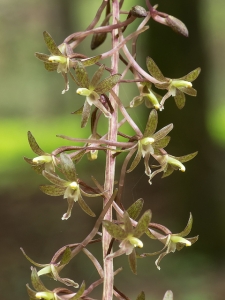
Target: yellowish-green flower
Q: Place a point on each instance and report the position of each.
(70, 188)
(169, 163)
(177, 88)
(92, 90)
(129, 236)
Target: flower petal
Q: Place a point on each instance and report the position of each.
(179, 99)
(135, 209)
(154, 70)
(107, 84)
(192, 75)
(36, 281)
(68, 167)
(114, 230)
(52, 190)
(133, 261)
(55, 179)
(81, 75)
(34, 145)
(151, 124)
(50, 43)
(142, 224)
(96, 77)
(85, 207)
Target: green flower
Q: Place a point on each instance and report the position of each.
(128, 236)
(151, 142)
(61, 59)
(168, 296)
(41, 292)
(169, 163)
(93, 90)
(70, 188)
(173, 242)
(44, 161)
(151, 98)
(177, 88)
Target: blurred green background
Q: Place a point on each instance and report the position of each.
(31, 99)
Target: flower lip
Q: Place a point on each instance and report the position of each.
(45, 295)
(42, 159)
(84, 92)
(181, 83)
(135, 241)
(176, 162)
(73, 185)
(178, 239)
(147, 141)
(58, 59)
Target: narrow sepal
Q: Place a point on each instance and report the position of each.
(154, 70)
(85, 207)
(52, 190)
(128, 228)
(142, 224)
(168, 172)
(107, 84)
(34, 145)
(114, 230)
(68, 167)
(188, 227)
(189, 91)
(42, 56)
(55, 179)
(133, 261)
(151, 124)
(80, 292)
(85, 114)
(31, 293)
(36, 281)
(136, 160)
(192, 75)
(91, 60)
(163, 132)
(81, 75)
(135, 209)
(162, 143)
(96, 77)
(50, 66)
(50, 43)
(186, 158)
(66, 256)
(179, 99)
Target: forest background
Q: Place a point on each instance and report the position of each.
(31, 100)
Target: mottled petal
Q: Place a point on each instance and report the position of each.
(179, 99)
(136, 159)
(154, 70)
(192, 75)
(52, 190)
(133, 261)
(96, 77)
(189, 91)
(107, 84)
(42, 56)
(81, 75)
(66, 256)
(91, 60)
(36, 281)
(186, 158)
(50, 43)
(169, 171)
(162, 132)
(68, 167)
(188, 227)
(34, 145)
(114, 230)
(128, 228)
(49, 66)
(55, 179)
(142, 224)
(85, 207)
(162, 143)
(135, 209)
(85, 114)
(151, 124)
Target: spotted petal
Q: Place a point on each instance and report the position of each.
(107, 84)
(151, 124)
(154, 70)
(50, 43)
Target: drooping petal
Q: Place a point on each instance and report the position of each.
(55, 179)
(179, 99)
(85, 207)
(85, 114)
(137, 158)
(52, 190)
(70, 201)
(169, 171)
(188, 227)
(133, 261)
(154, 70)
